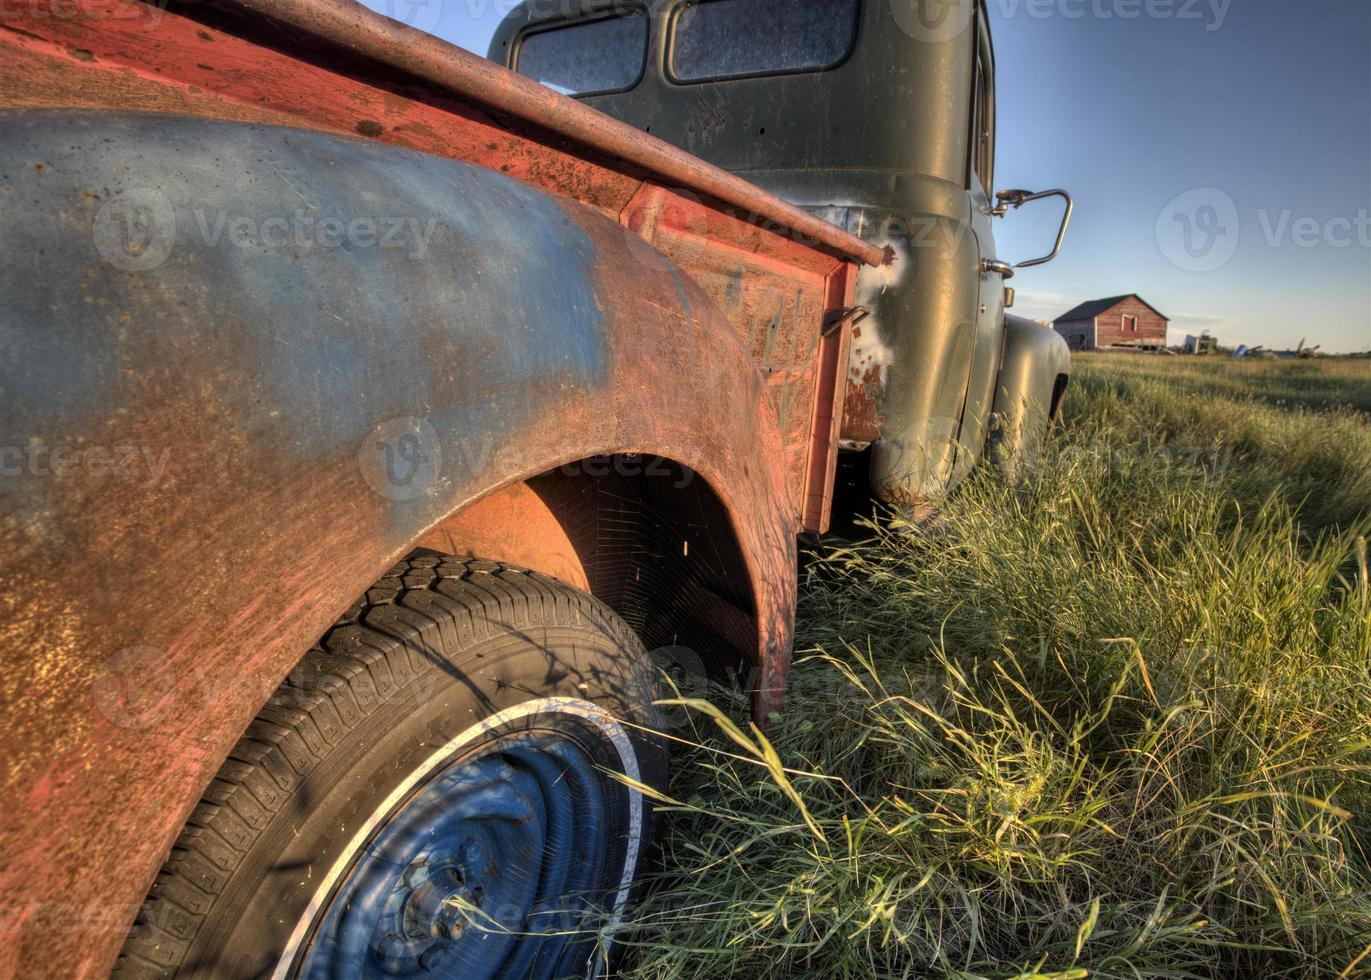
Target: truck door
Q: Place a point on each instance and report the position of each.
(989, 313)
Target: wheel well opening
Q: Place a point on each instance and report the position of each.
(1058, 393)
(645, 535)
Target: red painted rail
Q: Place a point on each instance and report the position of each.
(354, 27)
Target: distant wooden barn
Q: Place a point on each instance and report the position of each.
(1117, 323)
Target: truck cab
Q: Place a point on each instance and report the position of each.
(880, 117)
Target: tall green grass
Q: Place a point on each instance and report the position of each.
(1115, 723)
(1297, 428)
(1319, 384)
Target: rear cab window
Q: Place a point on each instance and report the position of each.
(589, 57)
(722, 39)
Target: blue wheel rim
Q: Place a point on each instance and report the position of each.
(498, 867)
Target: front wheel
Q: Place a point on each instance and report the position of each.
(431, 793)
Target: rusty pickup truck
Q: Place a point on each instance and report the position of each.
(371, 409)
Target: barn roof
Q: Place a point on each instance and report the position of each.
(1093, 308)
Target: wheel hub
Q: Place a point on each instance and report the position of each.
(489, 872)
(439, 907)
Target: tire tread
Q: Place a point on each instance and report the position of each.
(380, 645)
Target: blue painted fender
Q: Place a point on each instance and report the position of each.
(242, 370)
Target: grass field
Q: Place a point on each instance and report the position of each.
(1115, 723)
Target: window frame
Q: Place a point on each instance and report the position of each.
(669, 50)
(982, 111)
(548, 27)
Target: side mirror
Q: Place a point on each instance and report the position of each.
(1017, 199)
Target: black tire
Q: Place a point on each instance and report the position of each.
(437, 648)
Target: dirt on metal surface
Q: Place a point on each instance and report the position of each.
(766, 263)
(148, 619)
(155, 615)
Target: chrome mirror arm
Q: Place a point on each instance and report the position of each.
(1003, 269)
(1016, 199)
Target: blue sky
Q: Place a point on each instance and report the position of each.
(1219, 152)
(1267, 103)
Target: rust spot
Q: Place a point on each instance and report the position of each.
(862, 421)
(370, 127)
(204, 35)
(81, 54)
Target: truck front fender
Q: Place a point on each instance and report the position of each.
(1028, 394)
(243, 369)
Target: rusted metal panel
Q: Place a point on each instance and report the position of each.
(778, 293)
(263, 384)
(255, 380)
(829, 396)
(112, 54)
(145, 43)
(359, 30)
(765, 262)
(862, 419)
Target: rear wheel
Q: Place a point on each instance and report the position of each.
(431, 793)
